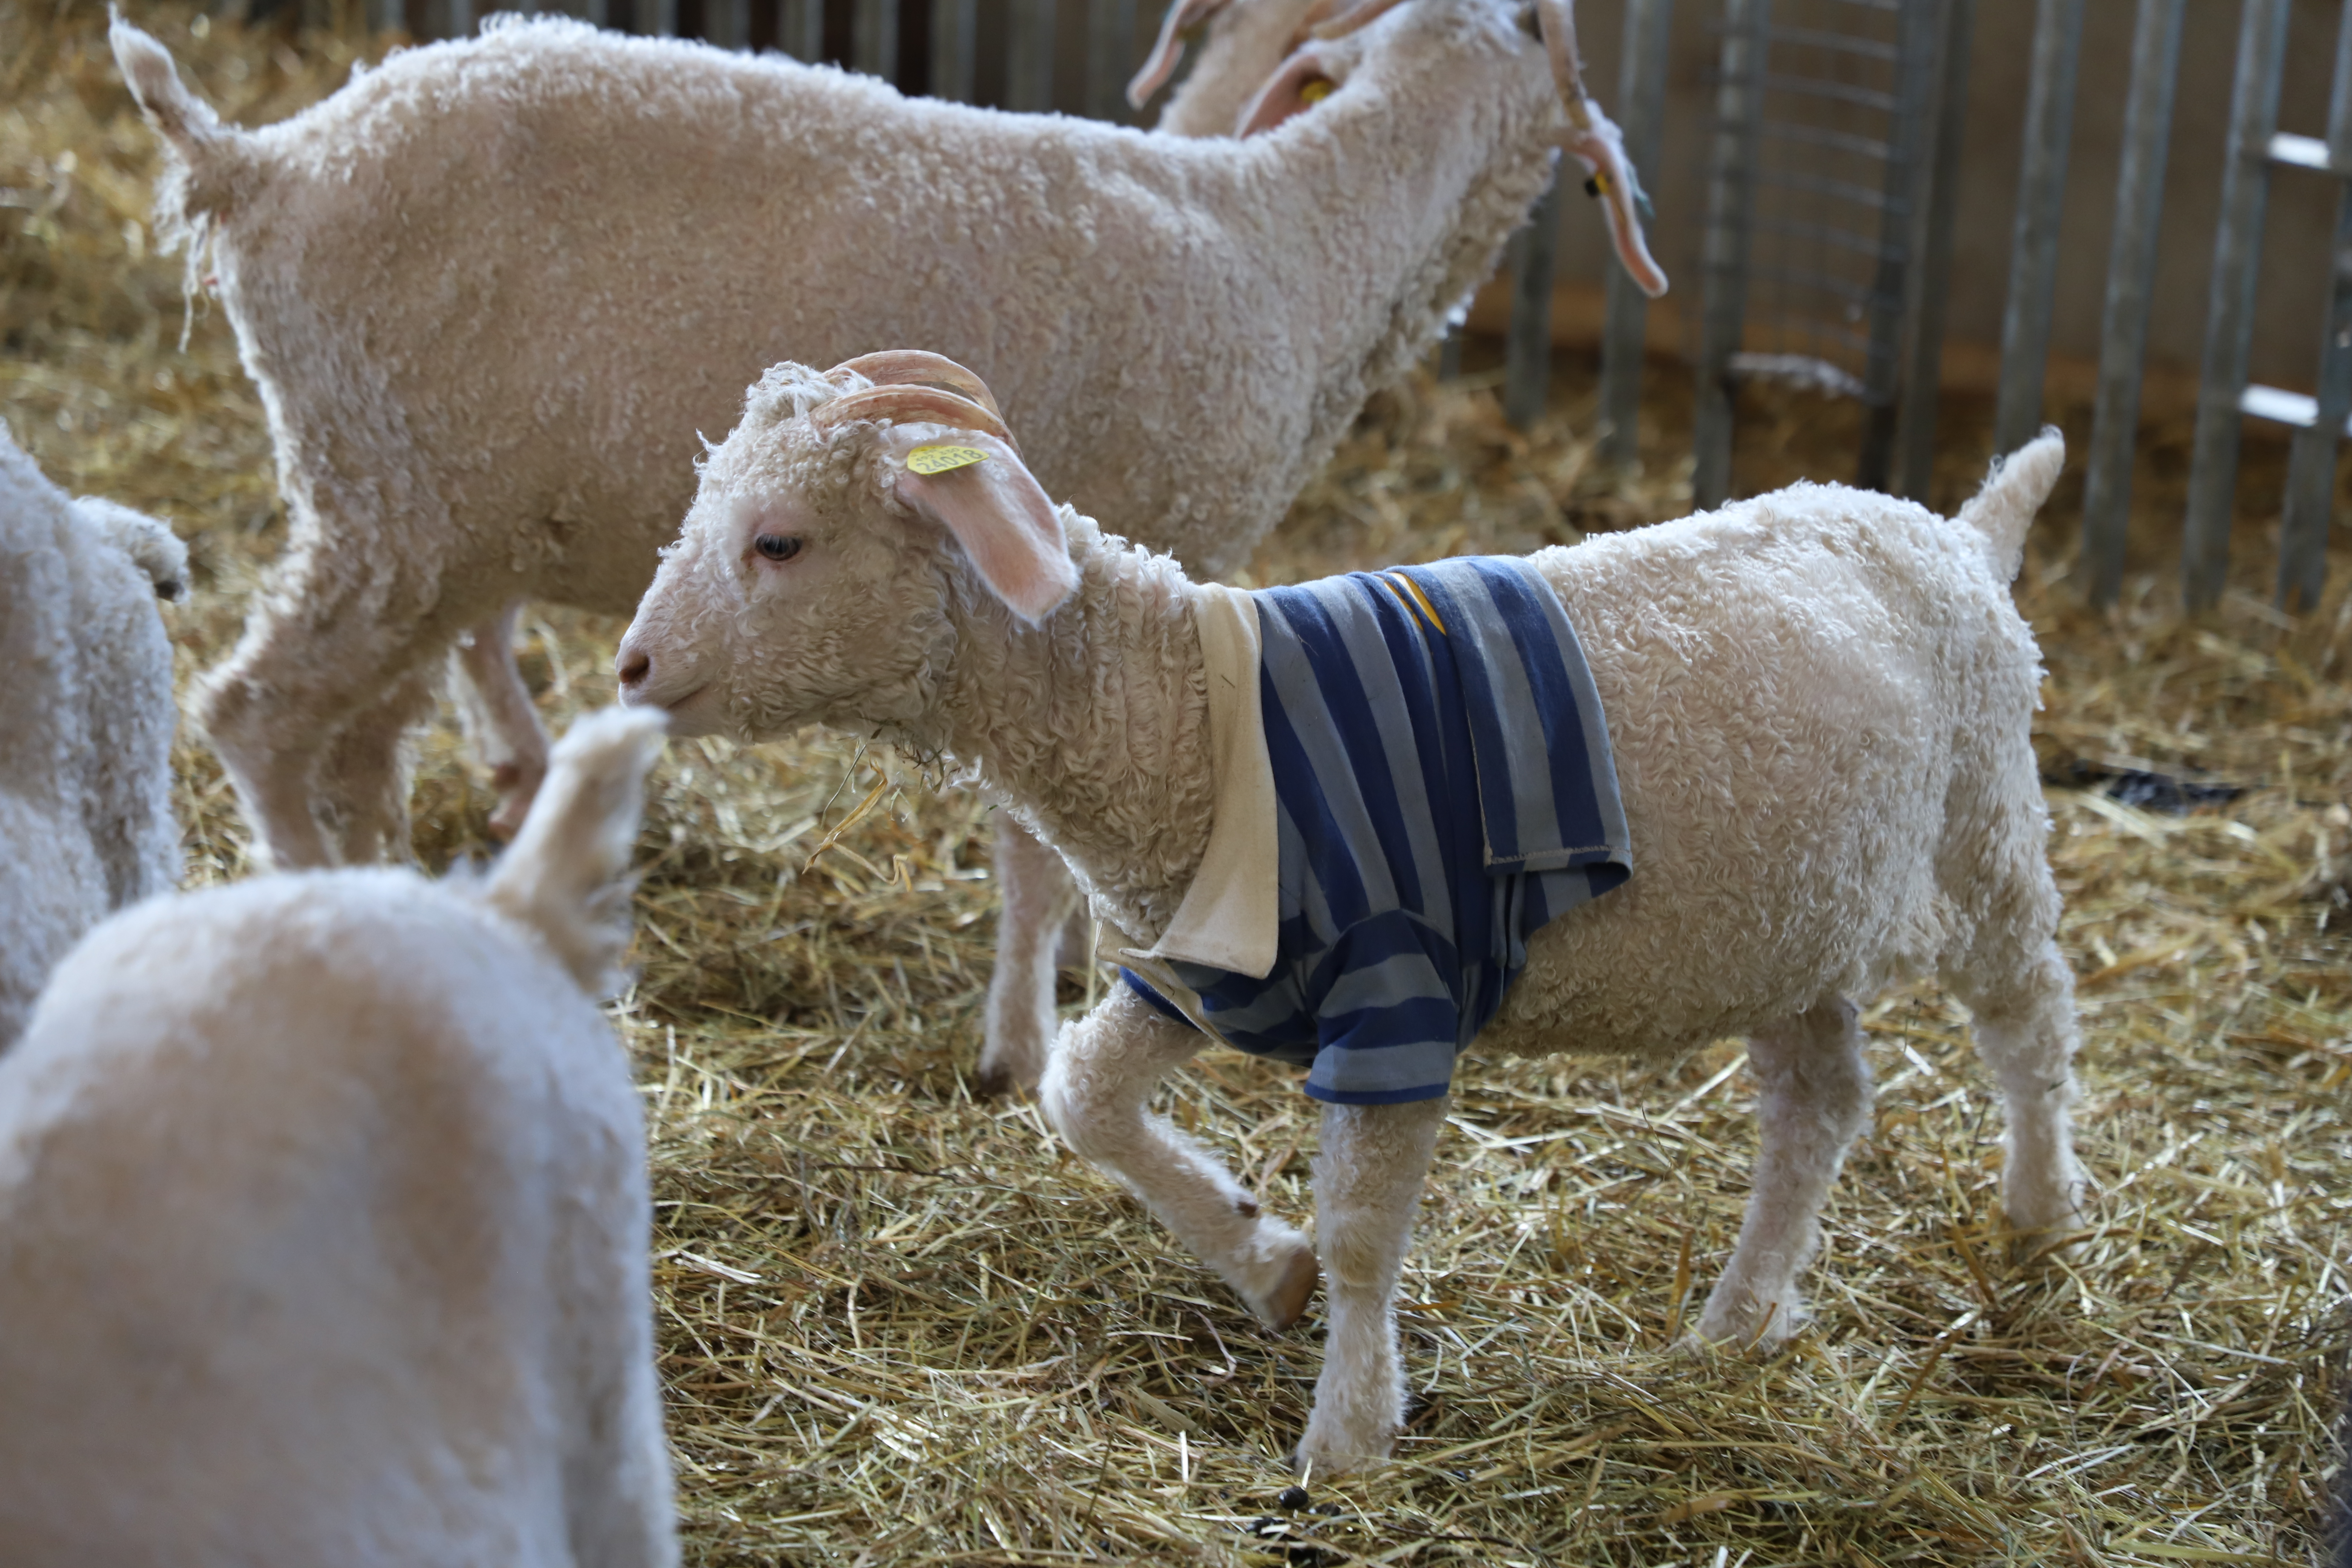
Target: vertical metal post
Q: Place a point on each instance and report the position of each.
(460, 14)
(2311, 474)
(2229, 314)
(727, 23)
(1730, 207)
(659, 17)
(1929, 284)
(1029, 56)
(800, 28)
(955, 43)
(1918, 27)
(2034, 241)
(389, 15)
(1449, 354)
(1641, 87)
(1110, 56)
(2131, 279)
(873, 38)
(1526, 343)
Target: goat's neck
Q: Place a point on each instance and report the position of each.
(1094, 727)
(1397, 207)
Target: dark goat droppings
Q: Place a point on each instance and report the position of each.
(1290, 1500)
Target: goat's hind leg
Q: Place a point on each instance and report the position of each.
(501, 718)
(1098, 1079)
(1813, 1098)
(2025, 1031)
(364, 774)
(1368, 1183)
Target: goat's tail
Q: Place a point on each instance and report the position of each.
(212, 161)
(2012, 493)
(565, 875)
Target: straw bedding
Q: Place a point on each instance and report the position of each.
(902, 1326)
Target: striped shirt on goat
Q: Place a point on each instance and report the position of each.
(1418, 779)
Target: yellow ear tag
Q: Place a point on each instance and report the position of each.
(1314, 89)
(940, 460)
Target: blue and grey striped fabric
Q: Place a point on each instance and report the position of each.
(1444, 789)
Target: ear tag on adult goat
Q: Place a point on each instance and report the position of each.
(1314, 89)
(940, 459)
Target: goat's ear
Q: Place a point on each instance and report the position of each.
(1304, 82)
(997, 511)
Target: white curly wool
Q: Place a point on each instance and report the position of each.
(86, 820)
(1820, 702)
(323, 1220)
(493, 290)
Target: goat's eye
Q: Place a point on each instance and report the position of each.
(777, 546)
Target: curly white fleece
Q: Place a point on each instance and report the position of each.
(87, 712)
(323, 1222)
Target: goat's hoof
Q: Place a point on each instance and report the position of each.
(1287, 1303)
(991, 1081)
(1326, 1455)
(1757, 1329)
(516, 789)
(1000, 1074)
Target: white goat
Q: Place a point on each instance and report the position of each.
(1818, 702)
(323, 1220)
(86, 820)
(492, 292)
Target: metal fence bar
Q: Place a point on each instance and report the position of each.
(955, 46)
(1110, 56)
(2131, 280)
(800, 28)
(2033, 242)
(1642, 90)
(873, 38)
(2311, 472)
(1731, 201)
(727, 23)
(1029, 56)
(1527, 351)
(1929, 282)
(2229, 314)
(1918, 30)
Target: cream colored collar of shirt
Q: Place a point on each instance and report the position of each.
(1230, 915)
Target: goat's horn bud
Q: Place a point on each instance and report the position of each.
(917, 367)
(910, 403)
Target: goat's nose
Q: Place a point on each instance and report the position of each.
(634, 665)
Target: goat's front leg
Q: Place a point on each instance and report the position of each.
(1033, 924)
(1098, 1079)
(1368, 1183)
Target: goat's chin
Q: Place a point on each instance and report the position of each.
(699, 712)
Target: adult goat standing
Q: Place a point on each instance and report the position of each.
(493, 290)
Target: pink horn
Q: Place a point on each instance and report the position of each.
(918, 367)
(1353, 20)
(1161, 62)
(1595, 142)
(910, 403)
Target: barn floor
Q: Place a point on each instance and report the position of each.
(902, 1326)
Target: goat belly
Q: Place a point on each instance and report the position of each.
(1442, 789)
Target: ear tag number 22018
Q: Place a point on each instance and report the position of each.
(940, 460)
